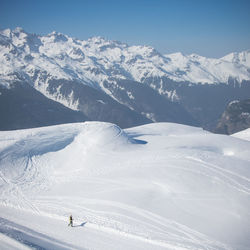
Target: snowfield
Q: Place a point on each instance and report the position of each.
(157, 186)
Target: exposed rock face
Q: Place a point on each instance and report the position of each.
(235, 118)
(21, 106)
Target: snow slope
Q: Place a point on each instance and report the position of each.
(157, 186)
(245, 134)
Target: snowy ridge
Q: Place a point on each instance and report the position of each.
(195, 68)
(157, 186)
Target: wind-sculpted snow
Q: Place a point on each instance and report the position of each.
(157, 186)
(101, 135)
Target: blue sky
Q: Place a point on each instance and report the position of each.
(206, 27)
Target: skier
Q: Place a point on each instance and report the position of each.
(70, 221)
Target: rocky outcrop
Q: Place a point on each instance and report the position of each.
(235, 118)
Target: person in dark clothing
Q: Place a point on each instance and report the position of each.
(70, 221)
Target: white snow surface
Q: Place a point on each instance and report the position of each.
(245, 134)
(56, 56)
(156, 186)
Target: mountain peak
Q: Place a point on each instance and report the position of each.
(58, 37)
(238, 58)
(5, 32)
(18, 30)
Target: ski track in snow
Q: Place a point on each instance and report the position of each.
(181, 236)
(30, 238)
(27, 186)
(229, 176)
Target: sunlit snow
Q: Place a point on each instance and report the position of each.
(245, 134)
(157, 186)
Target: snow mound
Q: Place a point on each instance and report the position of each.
(98, 134)
(21, 154)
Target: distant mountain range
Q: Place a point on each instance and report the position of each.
(104, 80)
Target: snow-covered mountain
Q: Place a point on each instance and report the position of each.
(61, 67)
(157, 186)
(199, 69)
(95, 60)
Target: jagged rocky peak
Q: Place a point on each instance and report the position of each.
(238, 57)
(58, 37)
(145, 51)
(18, 33)
(8, 32)
(20, 38)
(5, 32)
(18, 30)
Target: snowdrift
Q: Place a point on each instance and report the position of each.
(95, 135)
(157, 186)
